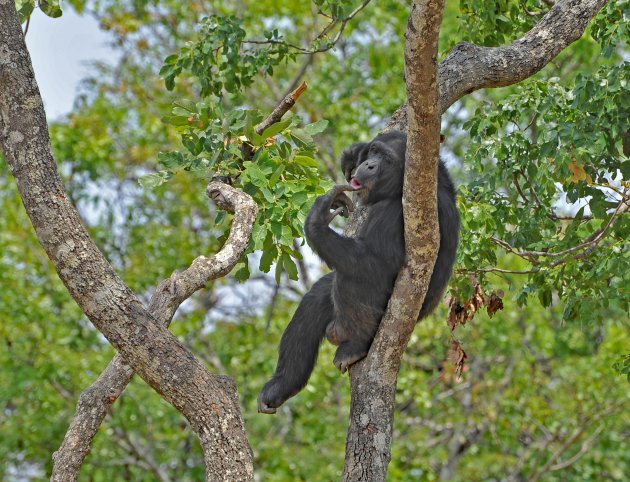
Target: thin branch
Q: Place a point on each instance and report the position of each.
(586, 446)
(124, 441)
(518, 188)
(283, 107)
(329, 28)
(497, 270)
(28, 23)
(587, 246)
(584, 426)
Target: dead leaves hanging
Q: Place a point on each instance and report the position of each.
(461, 313)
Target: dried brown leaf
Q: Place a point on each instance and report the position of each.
(494, 302)
(457, 356)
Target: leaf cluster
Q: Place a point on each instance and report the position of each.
(281, 176)
(492, 23)
(25, 8)
(548, 177)
(220, 60)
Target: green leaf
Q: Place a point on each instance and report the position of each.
(155, 179)
(289, 267)
(544, 295)
(267, 259)
(241, 270)
(171, 160)
(305, 161)
(302, 138)
(24, 9)
(185, 105)
(276, 128)
(278, 272)
(50, 8)
(316, 127)
(220, 217)
(270, 253)
(276, 175)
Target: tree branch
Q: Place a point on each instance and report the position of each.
(283, 107)
(329, 28)
(373, 380)
(586, 247)
(577, 434)
(470, 67)
(209, 402)
(95, 402)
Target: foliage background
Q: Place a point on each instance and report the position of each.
(539, 386)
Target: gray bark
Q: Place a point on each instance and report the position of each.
(209, 402)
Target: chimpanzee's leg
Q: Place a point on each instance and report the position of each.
(299, 346)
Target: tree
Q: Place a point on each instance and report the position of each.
(465, 69)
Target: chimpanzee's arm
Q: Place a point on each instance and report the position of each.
(338, 252)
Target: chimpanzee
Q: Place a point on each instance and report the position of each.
(347, 304)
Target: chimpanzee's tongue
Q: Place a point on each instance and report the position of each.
(355, 184)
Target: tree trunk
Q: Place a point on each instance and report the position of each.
(373, 381)
(209, 402)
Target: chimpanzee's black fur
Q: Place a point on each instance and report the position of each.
(347, 304)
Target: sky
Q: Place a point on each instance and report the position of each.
(61, 50)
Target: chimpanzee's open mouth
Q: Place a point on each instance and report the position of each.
(356, 185)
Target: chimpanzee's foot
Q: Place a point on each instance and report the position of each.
(348, 354)
(275, 392)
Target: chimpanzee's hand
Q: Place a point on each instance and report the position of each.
(338, 202)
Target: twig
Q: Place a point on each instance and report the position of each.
(586, 446)
(123, 439)
(285, 105)
(518, 187)
(28, 23)
(497, 270)
(330, 27)
(587, 245)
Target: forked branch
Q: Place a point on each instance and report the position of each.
(469, 67)
(95, 402)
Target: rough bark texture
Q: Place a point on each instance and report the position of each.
(209, 402)
(373, 381)
(94, 403)
(466, 68)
